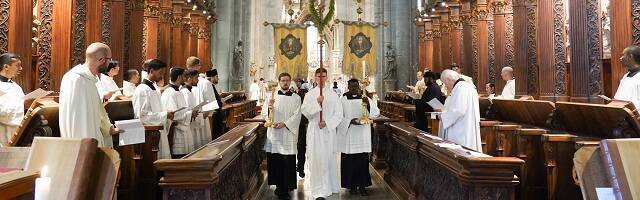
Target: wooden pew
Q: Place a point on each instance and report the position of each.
(397, 105)
(40, 120)
(419, 168)
(380, 141)
(226, 168)
(138, 178)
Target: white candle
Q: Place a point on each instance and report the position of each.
(43, 185)
(364, 69)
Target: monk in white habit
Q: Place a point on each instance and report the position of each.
(460, 119)
(131, 80)
(147, 104)
(354, 139)
(81, 113)
(629, 88)
(11, 97)
(509, 91)
(199, 125)
(107, 87)
(282, 137)
(325, 114)
(172, 100)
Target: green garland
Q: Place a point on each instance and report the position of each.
(319, 21)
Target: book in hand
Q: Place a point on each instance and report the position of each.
(37, 94)
(199, 106)
(227, 98)
(435, 104)
(414, 95)
(133, 132)
(210, 106)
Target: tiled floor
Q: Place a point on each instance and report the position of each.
(377, 191)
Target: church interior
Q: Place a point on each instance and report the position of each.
(398, 99)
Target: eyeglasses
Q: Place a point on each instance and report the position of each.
(107, 59)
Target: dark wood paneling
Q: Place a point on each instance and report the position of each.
(117, 40)
(622, 35)
(586, 51)
(19, 42)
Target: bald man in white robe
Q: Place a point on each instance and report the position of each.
(81, 112)
(460, 119)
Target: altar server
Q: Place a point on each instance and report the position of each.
(321, 137)
(199, 125)
(460, 119)
(210, 93)
(131, 79)
(629, 88)
(147, 104)
(172, 100)
(11, 97)
(354, 139)
(509, 91)
(107, 87)
(282, 139)
(81, 113)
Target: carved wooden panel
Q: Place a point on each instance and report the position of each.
(595, 48)
(127, 35)
(492, 56)
(4, 26)
(79, 26)
(635, 15)
(509, 41)
(106, 22)
(532, 53)
(44, 45)
(560, 86)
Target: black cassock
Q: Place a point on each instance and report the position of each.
(432, 91)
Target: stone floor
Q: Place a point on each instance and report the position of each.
(378, 191)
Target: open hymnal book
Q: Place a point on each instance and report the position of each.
(37, 94)
(435, 104)
(227, 98)
(133, 132)
(199, 106)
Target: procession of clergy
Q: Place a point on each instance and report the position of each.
(315, 125)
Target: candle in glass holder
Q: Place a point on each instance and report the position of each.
(43, 185)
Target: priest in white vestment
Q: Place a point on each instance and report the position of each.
(11, 97)
(81, 113)
(509, 91)
(107, 87)
(147, 104)
(199, 125)
(172, 100)
(322, 180)
(131, 80)
(354, 139)
(420, 86)
(629, 88)
(254, 91)
(282, 137)
(460, 119)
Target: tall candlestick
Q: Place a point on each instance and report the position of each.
(43, 185)
(364, 69)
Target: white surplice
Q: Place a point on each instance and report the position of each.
(105, 85)
(509, 90)
(183, 141)
(206, 91)
(353, 138)
(81, 113)
(460, 120)
(128, 88)
(254, 91)
(286, 109)
(629, 89)
(322, 149)
(11, 110)
(199, 126)
(147, 106)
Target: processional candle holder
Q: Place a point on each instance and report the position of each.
(271, 85)
(364, 119)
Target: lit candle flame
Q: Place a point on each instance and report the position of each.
(43, 172)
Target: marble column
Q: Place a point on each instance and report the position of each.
(552, 74)
(586, 51)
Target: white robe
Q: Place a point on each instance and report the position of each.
(81, 113)
(147, 106)
(629, 89)
(183, 141)
(105, 85)
(206, 91)
(199, 126)
(128, 88)
(353, 138)
(286, 110)
(254, 91)
(460, 120)
(509, 90)
(11, 110)
(322, 149)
